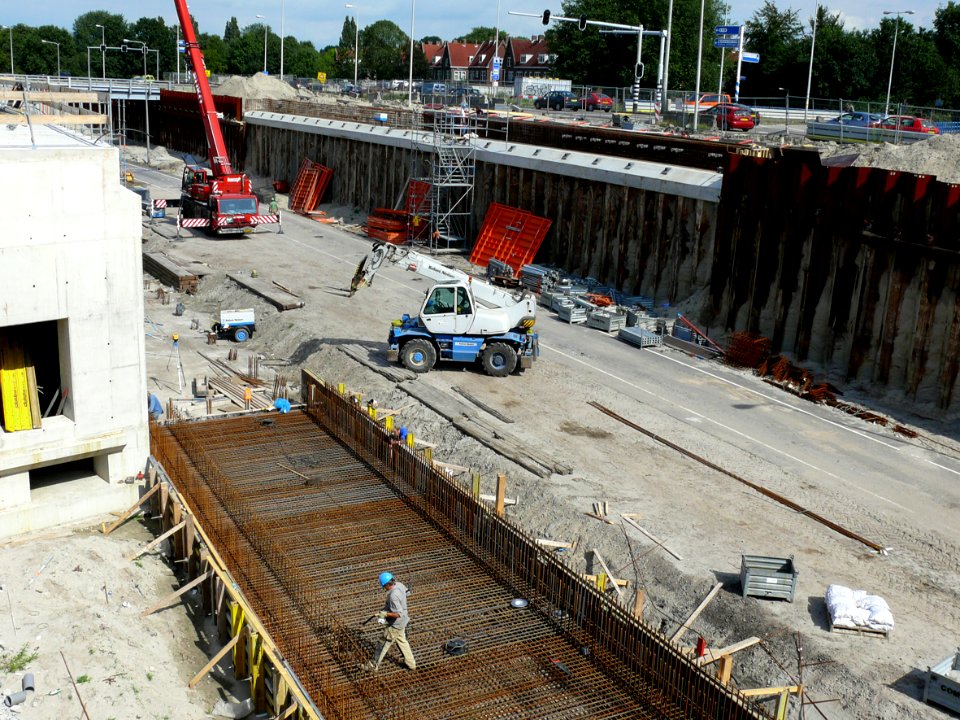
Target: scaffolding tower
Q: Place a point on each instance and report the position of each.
(452, 176)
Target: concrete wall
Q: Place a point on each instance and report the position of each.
(70, 252)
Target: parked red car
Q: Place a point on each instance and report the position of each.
(732, 117)
(598, 101)
(907, 123)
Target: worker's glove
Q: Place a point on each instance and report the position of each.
(382, 621)
(382, 615)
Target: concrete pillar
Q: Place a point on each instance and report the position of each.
(14, 490)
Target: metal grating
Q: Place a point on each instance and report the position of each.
(307, 508)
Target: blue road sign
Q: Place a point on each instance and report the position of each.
(495, 75)
(727, 30)
(726, 43)
(749, 57)
(497, 61)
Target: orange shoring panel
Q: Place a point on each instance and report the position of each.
(509, 235)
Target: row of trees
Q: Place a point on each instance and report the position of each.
(847, 63)
(853, 64)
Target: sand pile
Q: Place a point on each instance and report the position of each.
(257, 87)
(939, 155)
(160, 157)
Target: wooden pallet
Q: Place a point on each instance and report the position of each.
(865, 631)
(169, 272)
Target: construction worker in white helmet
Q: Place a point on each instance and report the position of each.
(394, 618)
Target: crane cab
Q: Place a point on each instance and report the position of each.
(448, 309)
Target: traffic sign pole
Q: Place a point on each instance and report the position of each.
(736, 89)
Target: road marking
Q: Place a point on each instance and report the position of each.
(778, 401)
(728, 428)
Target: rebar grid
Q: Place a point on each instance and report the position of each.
(307, 508)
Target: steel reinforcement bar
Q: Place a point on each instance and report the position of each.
(304, 508)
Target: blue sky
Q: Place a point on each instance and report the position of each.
(321, 22)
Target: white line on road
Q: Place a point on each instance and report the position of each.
(728, 428)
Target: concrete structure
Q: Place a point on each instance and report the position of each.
(71, 293)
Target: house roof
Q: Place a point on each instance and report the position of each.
(433, 52)
(460, 53)
(533, 48)
(485, 51)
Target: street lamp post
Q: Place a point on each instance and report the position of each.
(413, 10)
(103, 48)
(496, 57)
(786, 107)
(893, 54)
(264, 44)
(51, 42)
(146, 96)
(281, 39)
(10, 28)
(356, 41)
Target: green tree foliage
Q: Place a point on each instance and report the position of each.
(592, 58)
(482, 34)
(383, 47)
(345, 48)
(232, 31)
(777, 35)
(434, 39)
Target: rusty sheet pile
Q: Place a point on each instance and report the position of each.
(307, 508)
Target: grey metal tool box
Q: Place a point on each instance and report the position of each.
(773, 577)
(943, 683)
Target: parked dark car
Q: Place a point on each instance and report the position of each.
(596, 101)
(856, 119)
(352, 90)
(557, 100)
(722, 112)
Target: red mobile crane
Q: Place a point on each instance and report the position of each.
(216, 197)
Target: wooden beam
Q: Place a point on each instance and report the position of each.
(766, 691)
(290, 469)
(288, 712)
(638, 600)
(608, 521)
(493, 499)
(616, 586)
(617, 581)
(213, 661)
(130, 511)
(636, 526)
(153, 543)
(501, 493)
(725, 669)
(696, 613)
(173, 596)
(555, 543)
(41, 96)
(715, 655)
(8, 119)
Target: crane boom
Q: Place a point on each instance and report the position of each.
(216, 147)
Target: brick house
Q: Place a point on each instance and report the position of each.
(481, 68)
(456, 60)
(527, 58)
(433, 52)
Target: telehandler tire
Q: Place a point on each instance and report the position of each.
(418, 355)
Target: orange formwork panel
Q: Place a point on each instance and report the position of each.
(310, 185)
(509, 235)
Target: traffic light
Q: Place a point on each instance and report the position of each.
(123, 48)
(582, 22)
(638, 71)
(546, 17)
